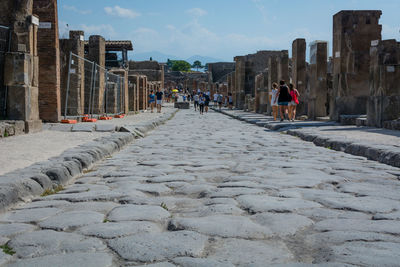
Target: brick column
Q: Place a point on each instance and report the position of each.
(272, 78)
(97, 50)
(49, 56)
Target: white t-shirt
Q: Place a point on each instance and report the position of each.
(196, 97)
(274, 100)
(215, 97)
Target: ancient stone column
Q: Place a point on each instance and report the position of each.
(283, 66)
(76, 92)
(142, 93)
(318, 95)
(97, 50)
(49, 56)
(123, 73)
(299, 73)
(384, 100)
(353, 34)
(240, 71)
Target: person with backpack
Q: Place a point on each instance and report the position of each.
(196, 101)
(152, 100)
(283, 99)
(206, 101)
(293, 104)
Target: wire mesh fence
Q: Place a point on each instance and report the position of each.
(92, 92)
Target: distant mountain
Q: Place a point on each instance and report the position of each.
(161, 57)
(155, 55)
(203, 60)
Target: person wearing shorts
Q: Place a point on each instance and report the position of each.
(202, 100)
(196, 101)
(283, 99)
(215, 99)
(273, 98)
(159, 98)
(230, 100)
(151, 100)
(219, 100)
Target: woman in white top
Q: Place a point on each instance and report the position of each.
(273, 97)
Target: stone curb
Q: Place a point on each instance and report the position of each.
(24, 184)
(381, 153)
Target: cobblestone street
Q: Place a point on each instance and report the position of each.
(209, 190)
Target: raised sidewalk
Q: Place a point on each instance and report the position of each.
(32, 163)
(377, 144)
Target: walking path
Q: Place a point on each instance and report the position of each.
(208, 190)
(378, 144)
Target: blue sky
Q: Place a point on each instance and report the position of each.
(216, 28)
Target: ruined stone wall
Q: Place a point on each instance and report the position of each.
(384, 99)
(49, 56)
(353, 33)
(125, 90)
(218, 71)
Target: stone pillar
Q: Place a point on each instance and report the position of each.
(76, 94)
(111, 98)
(133, 85)
(299, 73)
(21, 68)
(318, 95)
(384, 100)
(97, 50)
(258, 87)
(240, 72)
(283, 66)
(264, 93)
(353, 34)
(49, 56)
(142, 93)
(272, 78)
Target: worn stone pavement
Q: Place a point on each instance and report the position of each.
(236, 194)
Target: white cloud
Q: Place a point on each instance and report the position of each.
(76, 10)
(260, 6)
(105, 30)
(121, 12)
(390, 32)
(196, 12)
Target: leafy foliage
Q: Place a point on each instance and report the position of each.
(180, 65)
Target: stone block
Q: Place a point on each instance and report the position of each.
(81, 127)
(182, 105)
(18, 68)
(105, 128)
(22, 103)
(33, 126)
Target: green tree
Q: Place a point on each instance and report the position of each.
(180, 65)
(197, 65)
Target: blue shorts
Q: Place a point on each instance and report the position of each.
(283, 103)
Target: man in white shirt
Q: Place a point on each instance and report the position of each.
(215, 99)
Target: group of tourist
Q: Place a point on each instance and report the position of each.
(201, 101)
(156, 99)
(285, 99)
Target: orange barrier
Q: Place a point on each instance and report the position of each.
(87, 119)
(120, 116)
(103, 118)
(69, 121)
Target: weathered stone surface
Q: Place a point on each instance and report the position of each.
(283, 224)
(222, 225)
(157, 247)
(252, 253)
(200, 262)
(71, 220)
(12, 229)
(29, 215)
(264, 203)
(138, 213)
(48, 242)
(67, 260)
(120, 229)
(389, 227)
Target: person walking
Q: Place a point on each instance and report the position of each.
(159, 98)
(230, 100)
(202, 100)
(151, 100)
(283, 99)
(273, 98)
(219, 100)
(206, 101)
(215, 99)
(295, 101)
(196, 101)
